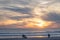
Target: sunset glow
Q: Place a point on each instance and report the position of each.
(30, 14)
(36, 23)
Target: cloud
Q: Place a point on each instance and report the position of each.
(20, 17)
(52, 16)
(23, 11)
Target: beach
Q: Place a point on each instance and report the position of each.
(16, 34)
(52, 38)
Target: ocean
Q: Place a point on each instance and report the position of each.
(18, 32)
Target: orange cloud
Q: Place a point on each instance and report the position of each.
(36, 23)
(28, 23)
(8, 22)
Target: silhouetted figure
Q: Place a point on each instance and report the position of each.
(48, 35)
(24, 36)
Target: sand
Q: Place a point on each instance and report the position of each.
(52, 38)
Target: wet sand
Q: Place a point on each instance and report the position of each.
(52, 38)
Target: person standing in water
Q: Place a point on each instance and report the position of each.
(24, 36)
(48, 35)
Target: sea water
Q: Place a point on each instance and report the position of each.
(18, 32)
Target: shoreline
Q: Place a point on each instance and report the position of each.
(35, 38)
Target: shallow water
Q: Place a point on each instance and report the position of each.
(17, 33)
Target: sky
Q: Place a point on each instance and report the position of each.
(30, 14)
